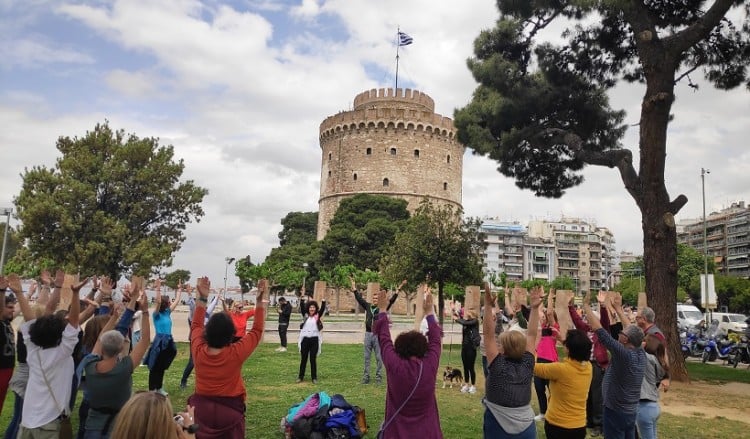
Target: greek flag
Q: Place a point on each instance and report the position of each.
(404, 40)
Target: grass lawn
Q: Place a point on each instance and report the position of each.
(271, 390)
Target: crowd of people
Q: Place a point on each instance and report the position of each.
(608, 381)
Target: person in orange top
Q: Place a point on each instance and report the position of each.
(219, 397)
(239, 318)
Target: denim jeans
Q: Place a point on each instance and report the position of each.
(648, 416)
(618, 425)
(493, 430)
(372, 345)
(15, 422)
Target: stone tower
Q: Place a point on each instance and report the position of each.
(392, 143)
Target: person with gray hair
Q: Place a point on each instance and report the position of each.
(109, 373)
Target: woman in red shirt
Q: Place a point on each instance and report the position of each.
(219, 397)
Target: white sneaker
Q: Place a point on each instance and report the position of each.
(282, 349)
(464, 388)
(472, 389)
(162, 391)
(539, 417)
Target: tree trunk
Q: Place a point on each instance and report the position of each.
(657, 212)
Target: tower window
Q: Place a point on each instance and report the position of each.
(329, 156)
(448, 159)
(329, 173)
(393, 151)
(385, 182)
(368, 151)
(416, 153)
(355, 177)
(445, 185)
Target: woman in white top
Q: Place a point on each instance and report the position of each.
(309, 337)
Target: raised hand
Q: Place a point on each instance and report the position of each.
(489, 298)
(143, 300)
(617, 300)
(354, 284)
(106, 285)
(157, 284)
(14, 283)
(59, 278)
(601, 297)
(203, 286)
(537, 293)
(76, 287)
(46, 278)
(427, 306)
(260, 297)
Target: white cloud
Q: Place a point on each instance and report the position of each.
(241, 99)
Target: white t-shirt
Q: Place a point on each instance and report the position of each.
(137, 321)
(39, 408)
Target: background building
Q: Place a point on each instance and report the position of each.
(392, 143)
(505, 248)
(727, 236)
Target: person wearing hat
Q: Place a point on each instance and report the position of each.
(284, 309)
(621, 388)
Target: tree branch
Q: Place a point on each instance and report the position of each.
(620, 158)
(677, 204)
(691, 70)
(691, 35)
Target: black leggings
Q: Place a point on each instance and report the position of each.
(156, 374)
(469, 357)
(540, 385)
(282, 333)
(555, 432)
(309, 348)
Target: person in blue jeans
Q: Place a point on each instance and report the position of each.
(655, 377)
(621, 387)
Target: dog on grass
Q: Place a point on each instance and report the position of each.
(451, 376)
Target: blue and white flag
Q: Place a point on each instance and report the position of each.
(403, 39)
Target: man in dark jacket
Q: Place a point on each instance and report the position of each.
(371, 341)
(284, 309)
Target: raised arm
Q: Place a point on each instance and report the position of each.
(617, 304)
(551, 320)
(111, 323)
(394, 297)
(357, 295)
(74, 313)
(14, 283)
(591, 318)
(177, 296)
(488, 324)
(533, 328)
(54, 299)
(44, 289)
(139, 350)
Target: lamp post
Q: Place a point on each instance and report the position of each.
(705, 237)
(5, 211)
(304, 278)
(226, 271)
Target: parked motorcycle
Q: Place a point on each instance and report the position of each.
(689, 339)
(717, 348)
(741, 352)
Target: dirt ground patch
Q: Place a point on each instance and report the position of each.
(708, 400)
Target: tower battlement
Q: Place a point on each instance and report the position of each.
(391, 96)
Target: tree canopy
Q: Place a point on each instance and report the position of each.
(174, 278)
(112, 203)
(438, 245)
(362, 229)
(542, 109)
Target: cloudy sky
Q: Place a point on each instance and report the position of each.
(240, 88)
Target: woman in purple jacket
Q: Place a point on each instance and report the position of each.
(411, 366)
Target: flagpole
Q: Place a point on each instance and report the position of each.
(398, 44)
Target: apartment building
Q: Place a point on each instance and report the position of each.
(727, 238)
(504, 250)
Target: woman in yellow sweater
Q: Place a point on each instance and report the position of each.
(569, 382)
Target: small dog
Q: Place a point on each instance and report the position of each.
(451, 376)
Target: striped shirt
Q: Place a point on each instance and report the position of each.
(621, 387)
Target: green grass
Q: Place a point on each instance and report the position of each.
(271, 390)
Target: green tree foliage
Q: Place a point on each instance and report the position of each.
(174, 278)
(436, 244)
(281, 275)
(732, 292)
(298, 228)
(564, 283)
(362, 229)
(542, 111)
(112, 203)
(13, 244)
